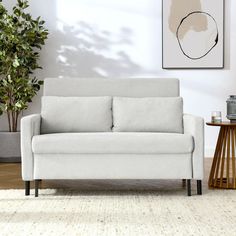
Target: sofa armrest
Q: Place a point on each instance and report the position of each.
(30, 126)
(195, 126)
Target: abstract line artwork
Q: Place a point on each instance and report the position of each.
(193, 34)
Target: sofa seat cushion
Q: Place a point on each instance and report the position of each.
(112, 143)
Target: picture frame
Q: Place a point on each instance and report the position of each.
(193, 34)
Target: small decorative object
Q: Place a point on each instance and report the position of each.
(216, 117)
(193, 34)
(231, 108)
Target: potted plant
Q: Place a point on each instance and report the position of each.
(21, 38)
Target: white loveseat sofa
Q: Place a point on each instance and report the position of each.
(112, 129)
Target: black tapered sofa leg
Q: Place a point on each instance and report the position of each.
(189, 187)
(36, 184)
(199, 187)
(27, 188)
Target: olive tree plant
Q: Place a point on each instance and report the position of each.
(21, 39)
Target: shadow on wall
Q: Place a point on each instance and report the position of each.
(84, 50)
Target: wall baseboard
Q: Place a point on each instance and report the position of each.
(209, 152)
(10, 159)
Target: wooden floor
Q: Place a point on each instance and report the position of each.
(10, 178)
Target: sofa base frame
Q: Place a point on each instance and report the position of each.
(189, 191)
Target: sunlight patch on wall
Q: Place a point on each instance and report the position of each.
(93, 22)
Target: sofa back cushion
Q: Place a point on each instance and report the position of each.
(148, 114)
(76, 114)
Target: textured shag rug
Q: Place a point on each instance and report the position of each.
(108, 213)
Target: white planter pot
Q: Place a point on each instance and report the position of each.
(10, 147)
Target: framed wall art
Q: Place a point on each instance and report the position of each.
(192, 34)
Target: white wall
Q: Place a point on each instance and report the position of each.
(122, 38)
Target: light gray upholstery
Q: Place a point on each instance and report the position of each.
(30, 126)
(76, 114)
(160, 114)
(113, 166)
(111, 87)
(115, 155)
(110, 143)
(194, 126)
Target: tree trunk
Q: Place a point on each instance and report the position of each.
(9, 120)
(16, 121)
(13, 121)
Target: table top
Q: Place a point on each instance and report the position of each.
(223, 123)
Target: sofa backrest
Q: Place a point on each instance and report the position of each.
(72, 105)
(77, 87)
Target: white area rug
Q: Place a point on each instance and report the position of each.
(108, 213)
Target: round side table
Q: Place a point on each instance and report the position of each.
(223, 169)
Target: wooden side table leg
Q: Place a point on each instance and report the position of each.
(233, 156)
(223, 158)
(218, 147)
(224, 133)
(228, 159)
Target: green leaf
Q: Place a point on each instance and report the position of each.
(16, 63)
